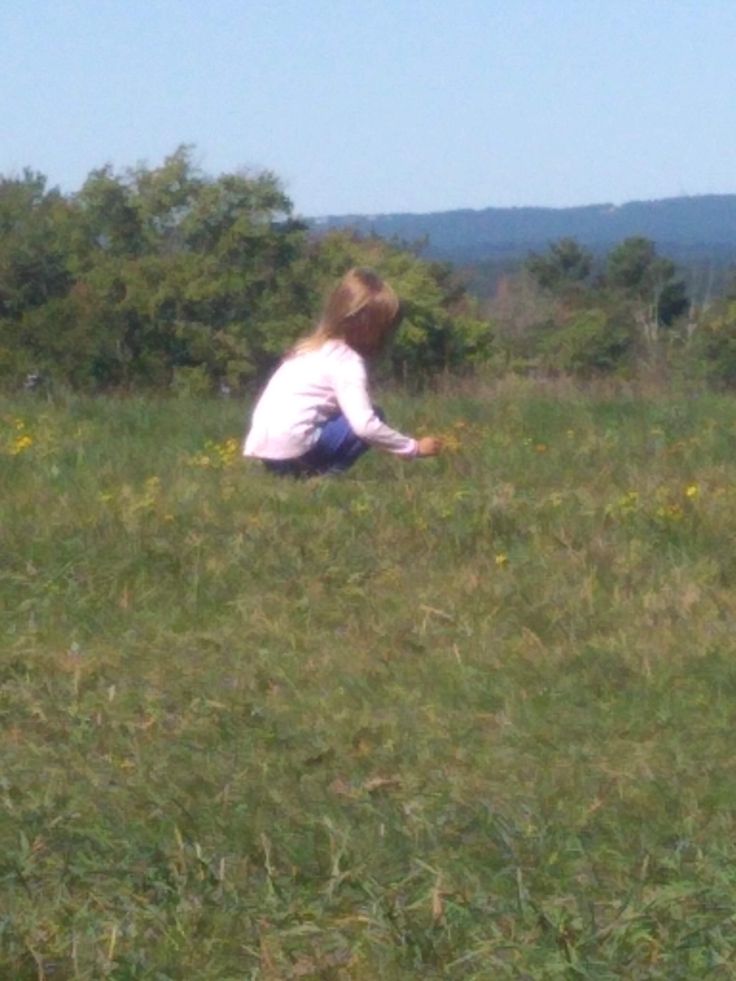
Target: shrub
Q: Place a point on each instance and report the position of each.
(713, 346)
(593, 342)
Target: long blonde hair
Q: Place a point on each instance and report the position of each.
(362, 311)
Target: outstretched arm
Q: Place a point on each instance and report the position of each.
(351, 387)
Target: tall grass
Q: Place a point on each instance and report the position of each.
(469, 717)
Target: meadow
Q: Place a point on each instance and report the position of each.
(469, 717)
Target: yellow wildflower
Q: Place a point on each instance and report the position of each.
(216, 456)
(627, 504)
(20, 444)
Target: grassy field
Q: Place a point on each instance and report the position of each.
(470, 717)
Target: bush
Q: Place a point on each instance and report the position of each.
(713, 346)
(166, 276)
(592, 343)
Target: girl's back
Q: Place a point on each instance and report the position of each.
(301, 395)
(316, 414)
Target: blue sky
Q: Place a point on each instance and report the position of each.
(367, 106)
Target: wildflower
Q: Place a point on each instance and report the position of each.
(216, 456)
(501, 559)
(227, 451)
(20, 444)
(627, 504)
(692, 491)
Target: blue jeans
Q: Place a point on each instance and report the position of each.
(335, 451)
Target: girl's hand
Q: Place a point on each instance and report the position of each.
(429, 446)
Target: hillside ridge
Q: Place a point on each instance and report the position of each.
(685, 226)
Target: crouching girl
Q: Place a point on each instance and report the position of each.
(315, 415)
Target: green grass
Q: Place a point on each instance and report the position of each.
(462, 718)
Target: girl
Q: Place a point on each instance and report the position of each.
(315, 415)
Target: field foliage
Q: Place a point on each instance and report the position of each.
(461, 718)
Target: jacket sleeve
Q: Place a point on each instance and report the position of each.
(351, 389)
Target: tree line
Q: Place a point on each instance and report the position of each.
(568, 311)
(167, 278)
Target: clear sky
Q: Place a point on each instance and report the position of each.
(367, 106)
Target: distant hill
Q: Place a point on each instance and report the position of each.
(688, 229)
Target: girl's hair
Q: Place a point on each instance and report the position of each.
(362, 311)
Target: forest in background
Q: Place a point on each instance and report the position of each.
(165, 278)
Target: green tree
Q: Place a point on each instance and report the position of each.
(593, 342)
(33, 266)
(161, 274)
(648, 282)
(713, 346)
(164, 196)
(108, 218)
(179, 271)
(565, 264)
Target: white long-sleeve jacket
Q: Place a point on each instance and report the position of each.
(305, 391)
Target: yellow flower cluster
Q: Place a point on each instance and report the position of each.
(20, 444)
(216, 456)
(670, 508)
(38, 438)
(624, 506)
(18, 441)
